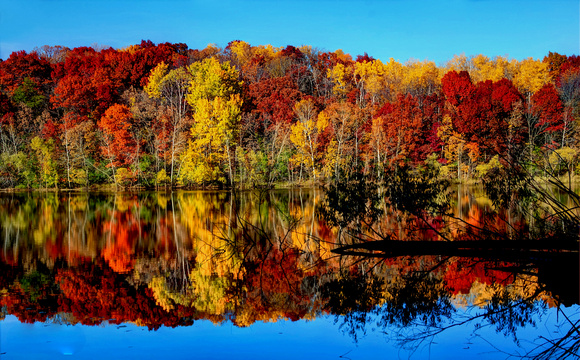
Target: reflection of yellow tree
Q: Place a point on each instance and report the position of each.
(45, 229)
(523, 287)
(210, 292)
(166, 297)
(207, 218)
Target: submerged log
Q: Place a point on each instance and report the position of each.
(511, 250)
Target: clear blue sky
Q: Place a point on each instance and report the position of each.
(402, 29)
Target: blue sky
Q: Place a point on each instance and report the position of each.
(401, 29)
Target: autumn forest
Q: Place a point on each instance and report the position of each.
(258, 116)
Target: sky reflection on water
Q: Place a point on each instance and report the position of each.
(317, 339)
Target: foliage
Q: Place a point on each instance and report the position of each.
(45, 156)
(484, 169)
(209, 116)
(214, 97)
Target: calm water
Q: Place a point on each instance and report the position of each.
(209, 275)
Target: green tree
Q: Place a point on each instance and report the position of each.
(45, 154)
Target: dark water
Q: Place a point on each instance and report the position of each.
(210, 275)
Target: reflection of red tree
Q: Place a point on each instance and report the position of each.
(462, 273)
(94, 295)
(274, 285)
(19, 304)
(28, 306)
(124, 231)
(57, 249)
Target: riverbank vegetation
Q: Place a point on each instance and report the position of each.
(253, 116)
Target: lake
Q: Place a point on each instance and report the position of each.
(263, 274)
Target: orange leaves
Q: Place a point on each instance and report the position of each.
(123, 230)
(118, 144)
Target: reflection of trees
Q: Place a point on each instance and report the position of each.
(93, 294)
(566, 346)
(416, 297)
(533, 234)
(415, 305)
(354, 297)
(169, 258)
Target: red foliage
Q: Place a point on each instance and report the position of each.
(273, 278)
(480, 112)
(457, 87)
(21, 65)
(94, 295)
(292, 52)
(403, 125)
(463, 272)
(547, 106)
(274, 100)
(573, 62)
(364, 58)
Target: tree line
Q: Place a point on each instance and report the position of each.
(255, 116)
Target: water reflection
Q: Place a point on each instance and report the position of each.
(171, 259)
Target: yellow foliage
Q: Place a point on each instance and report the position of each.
(45, 229)
(203, 218)
(493, 163)
(211, 79)
(242, 51)
(481, 67)
(564, 157)
(395, 74)
(341, 55)
(167, 298)
(79, 176)
(161, 178)
(371, 77)
(486, 69)
(422, 75)
(266, 51)
(214, 96)
(210, 293)
(304, 134)
(340, 76)
(153, 87)
(213, 134)
(460, 63)
(530, 75)
(123, 177)
(131, 49)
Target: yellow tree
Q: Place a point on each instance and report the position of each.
(241, 52)
(460, 63)
(489, 69)
(453, 144)
(530, 75)
(341, 76)
(370, 79)
(481, 67)
(305, 134)
(214, 95)
(421, 78)
(395, 74)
